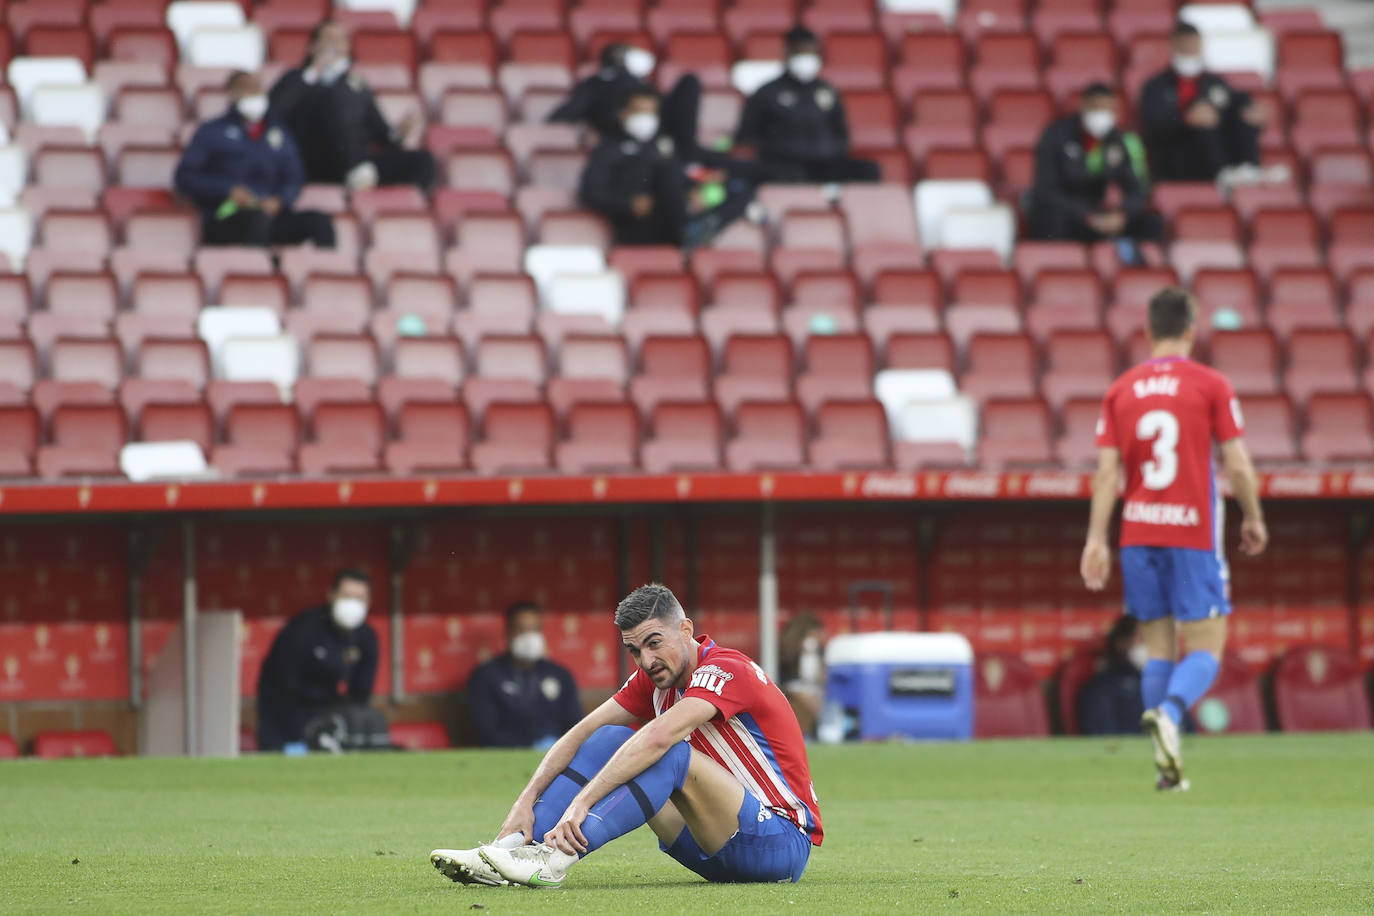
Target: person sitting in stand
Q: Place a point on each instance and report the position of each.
(243, 172)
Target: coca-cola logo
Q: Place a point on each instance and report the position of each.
(974, 484)
(1054, 485)
(889, 486)
(1295, 484)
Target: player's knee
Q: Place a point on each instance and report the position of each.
(609, 736)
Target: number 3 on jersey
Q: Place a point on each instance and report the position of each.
(1162, 427)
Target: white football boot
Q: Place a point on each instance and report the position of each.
(533, 866)
(1167, 747)
(466, 866)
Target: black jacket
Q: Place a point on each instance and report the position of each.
(620, 168)
(597, 100)
(1063, 178)
(795, 121)
(1161, 119)
(336, 125)
(222, 155)
(312, 666)
(519, 707)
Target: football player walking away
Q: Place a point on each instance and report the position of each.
(1158, 424)
(733, 802)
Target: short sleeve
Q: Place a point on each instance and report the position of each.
(1227, 423)
(637, 695)
(728, 683)
(1106, 425)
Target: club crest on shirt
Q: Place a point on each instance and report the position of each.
(1114, 156)
(550, 688)
(787, 98)
(1218, 96)
(665, 146)
(712, 678)
(275, 138)
(1073, 150)
(825, 98)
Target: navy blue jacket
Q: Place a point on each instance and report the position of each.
(312, 666)
(221, 155)
(519, 707)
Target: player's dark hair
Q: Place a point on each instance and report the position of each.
(350, 574)
(613, 55)
(1172, 312)
(234, 77)
(1096, 89)
(648, 602)
(519, 607)
(799, 35)
(1184, 30)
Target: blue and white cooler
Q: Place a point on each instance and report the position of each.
(910, 685)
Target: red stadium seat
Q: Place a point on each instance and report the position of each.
(518, 439)
(1238, 692)
(1005, 61)
(506, 368)
(941, 118)
(260, 439)
(929, 60)
(920, 351)
(603, 437)
(1076, 445)
(1064, 299)
(754, 368)
(1320, 689)
(838, 367)
(1016, 118)
(1008, 700)
(1248, 358)
(1339, 428)
(856, 60)
(999, 366)
(768, 436)
(851, 435)
(419, 736)
(432, 438)
(591, 368)
(684, 436)
(168, 422)
(56, 744)
(9, 749)
(20, 433)
(1269, 430)
(1320, 360)
(1079, 364)
(86, 439)
(1323, 118)
(1015, 433)
(671, 369)
(347, 438)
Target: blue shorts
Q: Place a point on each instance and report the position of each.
(768, 847)
(1176, 582)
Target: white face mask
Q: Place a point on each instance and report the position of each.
(349, 613)
(804, 67)
(809, 665)
(1099, 122)
(528, 647)
(639, 63)
(252, 107)
(642, 125)
(336, 70)
(1138, 655)
(1187, 67)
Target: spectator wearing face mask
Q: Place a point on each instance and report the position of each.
(1110, 703)
(243, 172)
(797, 124)
(1196, 127)
(635, 178)
(342, 135)
(1077, 159)
(520, 698)
(625, 69)
(325, 657)
(801, 668)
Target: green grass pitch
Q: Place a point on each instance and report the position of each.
(1275, 822)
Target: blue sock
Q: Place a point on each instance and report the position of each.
(1154, 681)
(633, 804)
(586, 763)
(1192, 678)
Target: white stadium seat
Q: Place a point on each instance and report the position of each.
(263, 359)
(934, 197)
(76, 106)
(184, 17)
(948, 420)
(945, 9)
(25, 74)
(1217, 17)
(748, 76)
(1238, 52)
(403, 10)
(16, 235)
(178, 460)
(14, 172)
(979, 227)
(897, 387)
(588, 294)
(217, 324)
(238, 47)
(544, 262)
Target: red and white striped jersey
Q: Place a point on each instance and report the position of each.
(754, 734)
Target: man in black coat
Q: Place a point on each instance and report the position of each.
(341, 133)
(1195, 125)
(637, 181)
(520, 698)
(1076, 160)
(797, 123)
(243, 173)
(325, 657)
(597, 100)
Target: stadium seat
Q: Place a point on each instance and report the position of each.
(1008, 700)
(769, 435)
(432, 438)
(603, 437)
(1237, 691)
(1075, 447)
(86, 439)
(20, 434)
(838, 367)
(56, 744)
(999, 365)
(754, 368)
(9, 748)
(347, 437)
(1320, 689)
(506, 368)
(260, 439)
(1078, 364)
(671, 369)
(944, 118)
(1248, 359)
(850, 435)
(1339, 428)
(179, 459)
(25, 74)
(1015, 433)
(683, 436)
(497, 304)
(1320, 360)
(82, 106)
(1269, 429)
(929, 60)
(518, 438)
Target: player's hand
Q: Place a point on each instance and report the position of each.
(1254, 536)
(406, 126)
(641, 205)
(271, 205)
(519, 820)
(1202, 114)
(242, 196)
(567, 833)
(1109, 223)
(1096, 565)
(1256, 114)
